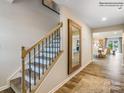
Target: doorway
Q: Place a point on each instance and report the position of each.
(107, 43)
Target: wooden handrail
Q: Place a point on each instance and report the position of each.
(53, 34)
(45, 36)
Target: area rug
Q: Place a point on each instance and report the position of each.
(86, 83)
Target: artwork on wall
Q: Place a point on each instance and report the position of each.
(74, 46)
(51, 5)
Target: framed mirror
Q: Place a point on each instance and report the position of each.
(74, 46)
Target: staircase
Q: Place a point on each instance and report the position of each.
(37, 61)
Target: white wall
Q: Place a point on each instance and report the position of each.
(58, 74)
(22, 23)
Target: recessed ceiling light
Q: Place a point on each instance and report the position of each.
(104, 19)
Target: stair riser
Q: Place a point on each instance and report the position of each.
(15, 89)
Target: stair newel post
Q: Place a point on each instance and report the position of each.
(23, 70)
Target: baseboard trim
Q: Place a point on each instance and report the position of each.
(14, 75)
(70, 77)
(4, 87)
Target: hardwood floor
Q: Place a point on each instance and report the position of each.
(109, 68)
(86, 83)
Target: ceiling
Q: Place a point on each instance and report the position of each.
(90, 12)
(10, 1)
(110, 34)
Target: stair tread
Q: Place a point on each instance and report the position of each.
(38, 61)
(16, 84)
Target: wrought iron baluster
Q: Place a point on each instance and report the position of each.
(43, 67)
(34, 66)
(59, 41)
(55, 45)
(52, 47)
(46, 54)
(49, 52)
(30, 71)
(39, 59)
